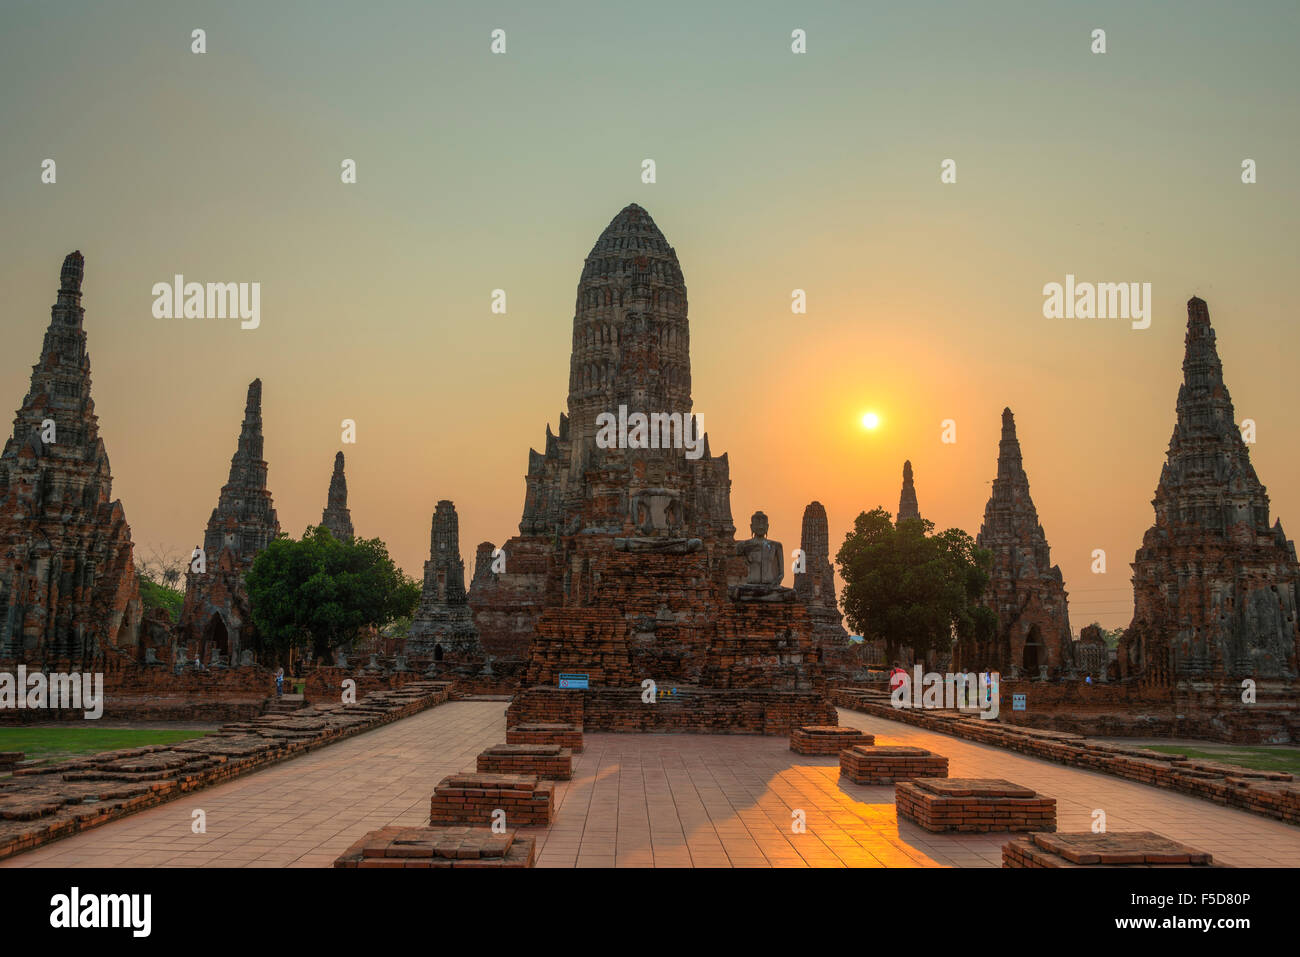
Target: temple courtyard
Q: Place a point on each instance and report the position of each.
(641, 800)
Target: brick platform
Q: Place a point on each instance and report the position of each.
(827, 739)
(544, 760)
(885, 764)
(565, 735)
(1116, 849)
(974, 804)
(1270, 793)
(397, 846)
(471, 799)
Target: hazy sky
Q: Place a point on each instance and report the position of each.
(775, 171)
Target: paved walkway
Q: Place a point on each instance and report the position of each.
(641, 800)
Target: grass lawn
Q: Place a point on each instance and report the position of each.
(56, 744)
(1259, 759)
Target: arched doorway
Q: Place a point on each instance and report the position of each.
(1035, 656)
(216, 637)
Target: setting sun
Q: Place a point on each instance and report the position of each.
(870, 420)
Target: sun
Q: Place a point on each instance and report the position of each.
(870, 420)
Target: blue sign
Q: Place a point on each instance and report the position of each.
(573, 681)
(1017, 702)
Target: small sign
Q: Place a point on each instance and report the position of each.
(1017, 702)
(573, 681)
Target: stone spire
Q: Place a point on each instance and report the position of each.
(483, 573)
(68, 589)
(443, 627)
(1026, 591)
(630, 356)
(336, 516)
(631, 340)
(244, 520)
(815, 586)
(907, 507)
(1215, 585)
(216, 613)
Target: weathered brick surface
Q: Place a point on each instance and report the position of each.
(68, 588)
(973, 804)
(442, 847)
(827, 739)
(543, 760)
(1271, 793)
(44, 803)
(472, 799)
(885, 764)
(1112, 849)
(557, 733)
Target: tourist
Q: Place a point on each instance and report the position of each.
(279, 682)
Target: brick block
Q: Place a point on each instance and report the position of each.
(974, 804)
(885, 764)
(827, 739)
(1113, 849)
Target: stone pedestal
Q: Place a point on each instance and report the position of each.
(866, 764)
(439, 847)
(472, 799)
(827, 739)
(548, 761)
(974, 804)
(1114, 849)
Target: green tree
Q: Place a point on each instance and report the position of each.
(907, 587)
(319, 592)
(154, 595)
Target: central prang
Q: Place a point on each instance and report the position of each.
(627, 568)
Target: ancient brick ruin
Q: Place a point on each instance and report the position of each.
(1144, 849)
(336, 517)
(815, 586)
(1214, 585)
(626, 568)
(443, 628)
(68, 588)
(907, 507)
(216, 622)
(1026, 591)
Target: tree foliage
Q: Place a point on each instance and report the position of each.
(154, 595)
(319, 592)
(907, 587)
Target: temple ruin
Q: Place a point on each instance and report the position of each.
(626, 569)
(907, 507)
(68, 588)
(815, 586)
(216, 620)
(443, 628)
(1026, 591)
(336, 517)
(1214, 585)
